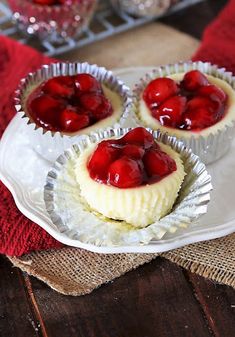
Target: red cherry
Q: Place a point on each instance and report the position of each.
(133, 151)
(193, 80)
(104, 110)
(86, 83)
(124, 173)
(170, 112)
(198, 119)
(213, 92)
(70, 121)
(101, 159)
(91, 101)
(158, 164)
(59, 86)
(204, 103)
(158, 90)
(139, 136)
(46, 110)
(44, 2)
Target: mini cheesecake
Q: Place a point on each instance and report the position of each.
(187, 104)
(131, 179)
(72, 105)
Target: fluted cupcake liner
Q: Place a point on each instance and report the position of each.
(52, 22)
(72, 216)
(142, 8)
(208, 147)
(50, 144)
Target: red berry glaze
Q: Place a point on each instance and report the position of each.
(51, 2)
(124, 173)
(56, 106)
(159, 90)
(193, 80)
(138, 136)
(194, 97)
(170, 112)
(125, 163)
(212, 92)
(101, 159)
(158, 163)
(70, 121)
(86, 83)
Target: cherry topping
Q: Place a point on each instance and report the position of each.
(86, 83)
(45, 110)
(158, 163)
(99, 105)
(170, 112)
(184, 109)
(125, 172)
(159, 90)
(59, 86)
(124, 164)
(68, 103)
(212, 92)
(197, 119)
(133, 151)
(50, 2)
(193, 80)
(103, 156)
(203, 102)
(138, 136)
(70, 121)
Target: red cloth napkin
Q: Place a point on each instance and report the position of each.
(18, 235)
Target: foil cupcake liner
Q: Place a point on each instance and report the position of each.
(50, 144)
(70, 215)
(217, 143)
(54, 23)
(143, 8)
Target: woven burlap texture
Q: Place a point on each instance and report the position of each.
(73, 271)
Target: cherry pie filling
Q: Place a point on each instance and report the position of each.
(51, 2)
(191, 104)
(131, 161)
(68, 103)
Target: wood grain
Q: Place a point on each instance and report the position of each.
(218, 303)
(16, 317)
(154, 300)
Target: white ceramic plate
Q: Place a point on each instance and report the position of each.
(24, 173)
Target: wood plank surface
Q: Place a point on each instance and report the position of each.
(16, 316)
(159, 299)
(155, 298)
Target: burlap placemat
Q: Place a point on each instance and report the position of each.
(73, 271)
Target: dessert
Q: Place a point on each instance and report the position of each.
(191, 105)
(53, 20)
(68, 104)
(132, 178)
(63, 101)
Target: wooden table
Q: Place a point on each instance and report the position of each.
(158, 299)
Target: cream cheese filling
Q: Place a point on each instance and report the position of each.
(138, 206)
(149, 121)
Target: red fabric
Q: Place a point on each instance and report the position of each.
(18, 235)
(218, 43)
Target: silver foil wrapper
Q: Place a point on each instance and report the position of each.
(53, 23)
(143, 8)
(51, 144)
(213, 146)
(72, 218)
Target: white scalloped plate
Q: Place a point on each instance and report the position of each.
(24, 173)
